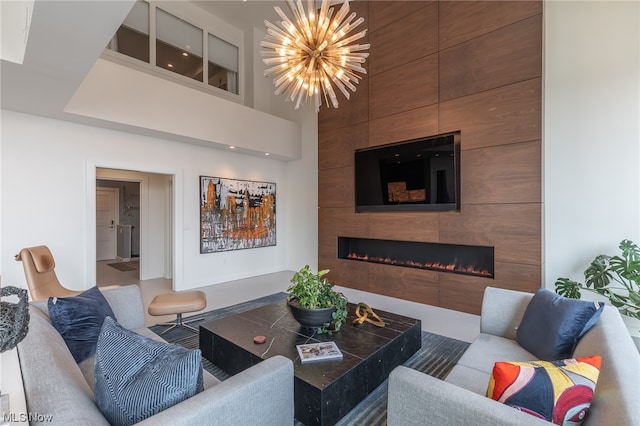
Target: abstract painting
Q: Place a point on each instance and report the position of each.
(236, 214)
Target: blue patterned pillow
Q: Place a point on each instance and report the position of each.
(552, 325)
(78, 319)
(137, 377)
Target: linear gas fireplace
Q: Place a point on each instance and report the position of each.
(454, 258)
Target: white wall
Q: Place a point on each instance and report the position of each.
(119, 93)
(302, 211)
(48, 195)
(591, 132)
(263, 90)
(302, 174)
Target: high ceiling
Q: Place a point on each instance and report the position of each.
(65, 40)
(67, 37)
(243, 14)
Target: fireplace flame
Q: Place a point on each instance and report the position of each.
(435, 266)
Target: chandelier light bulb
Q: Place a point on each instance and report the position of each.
(309, 52)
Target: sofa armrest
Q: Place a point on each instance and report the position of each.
(260, 395)
(502, 311)
(418, 399)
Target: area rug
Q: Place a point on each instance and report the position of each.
(437, 357)
(125, 266)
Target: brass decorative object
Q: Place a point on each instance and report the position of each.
(362, 314)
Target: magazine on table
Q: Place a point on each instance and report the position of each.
(311, 352)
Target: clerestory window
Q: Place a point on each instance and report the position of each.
(153, 35)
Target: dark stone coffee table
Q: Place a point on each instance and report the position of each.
(325, 391)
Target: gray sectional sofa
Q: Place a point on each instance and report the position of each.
(417, 399)
(55, 385)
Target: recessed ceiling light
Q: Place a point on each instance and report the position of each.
(232, 147)
(185, 54)
(266, 153)
(170, 65)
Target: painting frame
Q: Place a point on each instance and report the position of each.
(236, 214)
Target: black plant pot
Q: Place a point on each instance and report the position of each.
(311, 318)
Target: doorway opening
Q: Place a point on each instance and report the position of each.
(134, 225)
(117, 232)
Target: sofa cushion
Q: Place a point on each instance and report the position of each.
(126, 302)
(487, 349)
(468, 378)
(137, 377)
(557, 391)
(552, 324)
(78, 319)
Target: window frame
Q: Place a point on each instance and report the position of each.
(190, 14)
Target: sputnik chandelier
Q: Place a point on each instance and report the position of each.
(305, 55)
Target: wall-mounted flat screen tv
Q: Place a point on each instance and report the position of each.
(420, 174)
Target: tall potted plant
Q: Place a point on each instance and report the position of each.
(615, 277)
(314, 303)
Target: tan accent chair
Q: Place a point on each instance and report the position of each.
(178, 303)
(39, 270)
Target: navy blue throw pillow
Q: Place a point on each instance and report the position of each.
(78, 319)
(552, 325)
(136, 377)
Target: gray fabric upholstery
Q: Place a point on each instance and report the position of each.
(502, 311)
(54, 384)
(418, 399)
(617, 396)
(42, 305)
(469, 378)
(127, 305)
(261, 395)
(488, 349)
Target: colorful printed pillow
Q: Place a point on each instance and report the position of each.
(556, 391)
(552, 325)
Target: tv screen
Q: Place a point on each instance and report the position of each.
(420, 174)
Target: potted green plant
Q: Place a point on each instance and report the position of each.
(314, 303)
(615, 277)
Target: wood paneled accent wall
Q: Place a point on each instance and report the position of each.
(436, 67)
